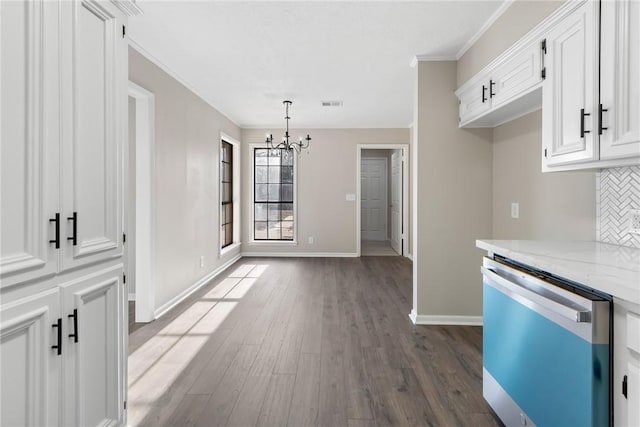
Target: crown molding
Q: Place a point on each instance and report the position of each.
(492, 19)
(164, 67)
(128, 7)
(425, 58)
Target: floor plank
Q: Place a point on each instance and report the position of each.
(305, 341)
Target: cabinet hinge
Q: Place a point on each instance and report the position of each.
(545, 153)
(124, 238)
(543, 46)
(125, 405)
(543, 70)
(124, 31)
(543, 73)
(124, 278)
(624, 387)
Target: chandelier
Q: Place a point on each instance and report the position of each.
(285, 144)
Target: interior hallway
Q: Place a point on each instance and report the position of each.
(305, 341)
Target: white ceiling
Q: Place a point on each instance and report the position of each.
(246, 57)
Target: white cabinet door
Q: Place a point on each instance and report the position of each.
(29, 140)
(620, 79)
(474, 101)
(569, 100)
(30, 367)
(94, 389)
(516, 76)
(93, 105)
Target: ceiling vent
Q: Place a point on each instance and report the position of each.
(332, 103)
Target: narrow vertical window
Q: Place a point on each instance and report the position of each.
(273, 194)
(226, 179)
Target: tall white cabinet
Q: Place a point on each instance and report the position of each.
(63, 297)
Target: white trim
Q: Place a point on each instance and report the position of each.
(492, 19)
(128, 7)
(423, 58)
(236, 189)
(405, 190)
(131, 297)
(410, 256)
(164, 308)
(145, 224)
(423, 319)
(252, 241)
(231, 248)
(301, 254)
(142, 51)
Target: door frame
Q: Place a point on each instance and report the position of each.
(405, 192)
(386, 193)
(144, 228)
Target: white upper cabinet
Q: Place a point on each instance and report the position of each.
(29, 141)
(93, 100)
(620, 79)
(474, 100)
(517, 75)
(569, 106)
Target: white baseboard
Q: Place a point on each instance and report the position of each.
(301, 254)
(422, 319)
(410, 256)
(132, 297)
(164, 308)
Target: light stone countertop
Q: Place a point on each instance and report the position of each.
(608, 268)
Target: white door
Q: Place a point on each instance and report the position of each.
(94, 386)
(620, 79)
(29, 141)
(30, 367)
(396, 201)
(94, 102)
(569, 113)
(373, 205)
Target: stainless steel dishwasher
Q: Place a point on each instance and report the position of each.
(546, 348)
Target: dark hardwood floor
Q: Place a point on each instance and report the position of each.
(305, 341)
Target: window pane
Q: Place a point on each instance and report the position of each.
(287, 230)
(260, 230)
(261, 212)
(261, 174)
(223, 216)
(228, 233)
(274, 158)
(226, 192)
(287, 174)
(274, 230)
(274, 212)
(228, 208)
(262, 192)
(287, 157)
(274, 174)
(274, 192)
(226, 172)
(286, 211)
(287, 192)
(261, 156)
(222, 236)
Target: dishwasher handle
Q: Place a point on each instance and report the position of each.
(532, 299)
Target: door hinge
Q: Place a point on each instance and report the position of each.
(124, 278)
(124, 238)
(124, 31)
(624, 386)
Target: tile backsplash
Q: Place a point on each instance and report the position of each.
(617, 192)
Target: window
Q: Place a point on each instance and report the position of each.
(273, 216)
(226, 179)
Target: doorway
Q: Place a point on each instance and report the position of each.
(382, 200)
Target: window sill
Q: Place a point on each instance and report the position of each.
(232, 247)
(274, 243)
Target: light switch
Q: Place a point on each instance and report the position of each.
(351, 197)
(515, 210)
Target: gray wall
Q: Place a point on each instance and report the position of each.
(325, 175)
(452, 198)
(187, 179)
(554, 206)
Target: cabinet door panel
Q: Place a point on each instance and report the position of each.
(30, 368)
(471, 101)
(620, 79)
(29, 145)
(93, 383)
(570, 87)
(517, 75)
(92, 143)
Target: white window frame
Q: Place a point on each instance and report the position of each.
(237, 223)
(293, 242)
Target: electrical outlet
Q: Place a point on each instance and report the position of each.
(311, 240)
(634, 221)
(202, 261)
(515, 210)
